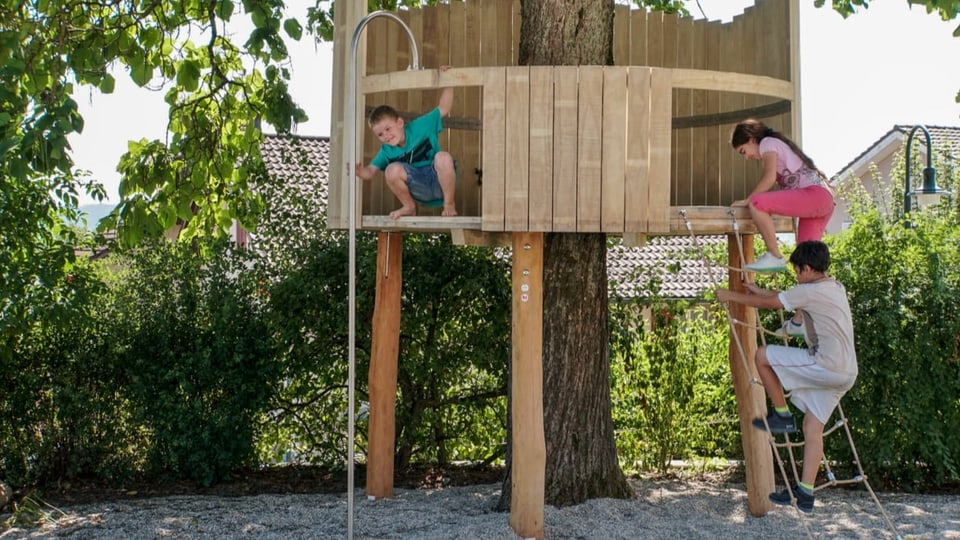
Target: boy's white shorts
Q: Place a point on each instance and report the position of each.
(812, 387)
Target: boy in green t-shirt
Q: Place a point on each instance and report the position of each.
(414, 166)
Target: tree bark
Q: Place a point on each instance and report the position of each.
(581, 452)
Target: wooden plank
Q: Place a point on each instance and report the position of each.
(589, 148)
(421, 223)
(655, 39)
(637, 192)
(682, 147)
(472, 107)
(638, 37)
(660, 106)
(621, 35)
(732, 81)
(698, 106)
(506, 54)
(541, 148)
(733, 167)
(614, 153)
(384, 356)
(716, 143)
(565, 149)
(466, 184)
(529, 447)
(794, 70)
(338, 189)
(750, 398)
(517, 149)
(494, 134)
(382, 38)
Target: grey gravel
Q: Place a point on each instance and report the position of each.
(668, 509)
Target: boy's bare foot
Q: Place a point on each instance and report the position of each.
(449, 211)
(403, 211)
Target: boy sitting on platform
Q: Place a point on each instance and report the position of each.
(414, 166)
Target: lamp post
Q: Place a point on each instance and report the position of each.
(929, 186)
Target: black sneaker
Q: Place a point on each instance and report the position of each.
(777, 423)
(804, 501)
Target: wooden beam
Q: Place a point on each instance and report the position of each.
(751, 400)
(529, 448)
(384, 353)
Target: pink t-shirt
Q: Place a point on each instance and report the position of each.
(791, 171)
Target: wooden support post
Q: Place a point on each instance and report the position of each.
(751, 399)
(529, 448)
(385, 349)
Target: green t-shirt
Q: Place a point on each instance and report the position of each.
(420, 143)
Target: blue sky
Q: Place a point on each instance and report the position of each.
(889, 64)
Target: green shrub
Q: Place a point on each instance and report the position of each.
(197, 366)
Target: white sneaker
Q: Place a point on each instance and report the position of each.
(768, 263)
(793, 329)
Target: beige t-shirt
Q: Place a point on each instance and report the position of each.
(829, 325)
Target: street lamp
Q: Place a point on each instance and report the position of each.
(928, 193)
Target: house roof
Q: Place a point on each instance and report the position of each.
(299, 160)
(302, 164)
(945, 139)
(673, 260)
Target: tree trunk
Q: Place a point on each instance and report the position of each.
(580, 447)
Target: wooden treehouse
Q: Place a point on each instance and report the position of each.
(621, 150)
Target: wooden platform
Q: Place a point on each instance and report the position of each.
(469, 229)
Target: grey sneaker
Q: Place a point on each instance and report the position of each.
(768, 264)
(777, 423)
(804, 501)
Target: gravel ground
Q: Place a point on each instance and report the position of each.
(669, 509)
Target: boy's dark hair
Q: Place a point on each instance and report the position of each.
(812, 253)
(380, 113)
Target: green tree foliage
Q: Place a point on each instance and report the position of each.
(196, 366)
(903, 278)
(672, 394)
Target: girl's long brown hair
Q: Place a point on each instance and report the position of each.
(757, 130)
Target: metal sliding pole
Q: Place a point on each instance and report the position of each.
(351, 130)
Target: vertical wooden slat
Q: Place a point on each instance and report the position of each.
(589, 148)
(661, 95)
(716, 142)
(472, 107)
(338, 190)
(637, 192)
(794, 69)
(614, 157)
(382, 36)
(621, 35)
(515, 20)
(541, 148)
(698, 107)
(655, 39)
(466, 183)
(516, 181)
(494, 134)
(528, 467)
(733, 167)
(638, 37)
(682, 148)
(384, 356)
(565, 149)
(504, 16)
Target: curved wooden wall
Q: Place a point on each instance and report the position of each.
(672, 151)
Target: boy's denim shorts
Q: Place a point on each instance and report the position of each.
(423, 183)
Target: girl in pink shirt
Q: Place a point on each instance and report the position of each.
(803, 192)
